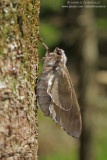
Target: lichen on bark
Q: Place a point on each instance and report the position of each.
(19, 29)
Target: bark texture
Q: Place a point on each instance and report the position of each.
(19, 25)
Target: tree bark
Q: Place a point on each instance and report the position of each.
(87, 67)
(18, 71)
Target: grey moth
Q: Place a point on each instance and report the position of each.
(56, 94)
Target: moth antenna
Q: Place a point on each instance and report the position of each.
(45, 46)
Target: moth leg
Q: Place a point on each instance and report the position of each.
(45, 46)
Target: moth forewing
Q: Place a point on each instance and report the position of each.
(68, 119)
(61, 91)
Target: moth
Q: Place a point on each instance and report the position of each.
(56, 94)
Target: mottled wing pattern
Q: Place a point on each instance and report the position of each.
(64, 108)
(69, 120)
(61, 91)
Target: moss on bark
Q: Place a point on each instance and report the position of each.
(19, 30)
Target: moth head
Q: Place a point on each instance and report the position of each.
(60, 52)
(55, 58)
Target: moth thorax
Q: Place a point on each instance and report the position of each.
(51, 63)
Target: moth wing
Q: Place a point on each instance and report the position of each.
(61, 90)
(69, 120)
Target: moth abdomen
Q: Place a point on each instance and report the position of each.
(44, 99)
(44, 102)
(45, 110)
(41, 91)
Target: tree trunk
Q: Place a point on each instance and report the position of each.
(18, 71)
(88, 54)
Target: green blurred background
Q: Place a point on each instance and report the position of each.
(82, 33)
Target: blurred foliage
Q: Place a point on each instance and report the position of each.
(101, 23)
(50, 34)
(61, 156)
(51, 5)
